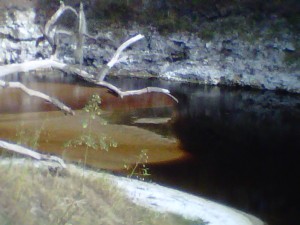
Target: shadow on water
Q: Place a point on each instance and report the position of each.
(237, 147)
(245, 147)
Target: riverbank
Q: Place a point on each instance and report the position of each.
(234, 50)
(39, 192)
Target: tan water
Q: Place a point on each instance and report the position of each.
(242, 145)
(53, 129)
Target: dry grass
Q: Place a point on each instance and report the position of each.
(31, 195)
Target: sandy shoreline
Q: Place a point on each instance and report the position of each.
(161, 199)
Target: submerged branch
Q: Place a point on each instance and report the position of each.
(38, 94)
(31, 153)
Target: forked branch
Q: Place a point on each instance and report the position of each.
(43, 64)
(50, 32)
(51, 23)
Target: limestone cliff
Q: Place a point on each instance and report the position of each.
(229, 47)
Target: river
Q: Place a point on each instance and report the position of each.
(235, 146)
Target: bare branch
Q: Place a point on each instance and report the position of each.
(101, 36)
(82, 21)
(136, 92)
(129, 42)
(38, 94)
(82, 29)
(42, 64)
(31, 153)
(115, 59)
(65, 32)
(56, 16)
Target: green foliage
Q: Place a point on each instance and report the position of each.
(88, 138)
(176, 15)
(139, 170)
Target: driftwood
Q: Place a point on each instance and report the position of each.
(116, 58)
(50, 63)
(50, 33)
(30, 153)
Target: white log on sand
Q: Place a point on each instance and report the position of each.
(30, 153)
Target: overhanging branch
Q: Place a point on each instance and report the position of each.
(116, 56)
(49, 63)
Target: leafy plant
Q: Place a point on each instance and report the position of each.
(139, 170)
(88, 138)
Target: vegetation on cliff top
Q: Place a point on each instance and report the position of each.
(169, 15)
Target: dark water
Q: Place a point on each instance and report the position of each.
(245, 149)
(243, 145)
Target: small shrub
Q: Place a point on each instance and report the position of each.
(88, 138)
(139, 170)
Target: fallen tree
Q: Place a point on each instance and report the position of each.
(51, 34)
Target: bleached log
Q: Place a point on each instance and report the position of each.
(37, 94)
(122, 94)
(40, 64)
(44, 64)
(30, 153)
(82, 29)
(126, 44)
(116, 57)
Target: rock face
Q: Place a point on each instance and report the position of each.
(227, 59)
(18, 35)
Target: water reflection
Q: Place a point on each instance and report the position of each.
(245, 146)
(56, 129)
